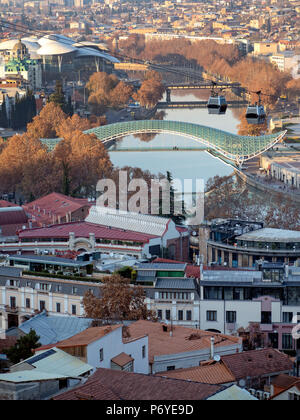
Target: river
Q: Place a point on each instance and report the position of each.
(182, 164)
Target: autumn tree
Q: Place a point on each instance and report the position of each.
(46, 123)
(151, 90)
(80, 161)
(120, 301)
(74, 123)
(23, 161)
(107, 91)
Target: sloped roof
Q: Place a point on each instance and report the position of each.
(29, 376)
(135, 386)
(175, 283)
(133, 221)
(122, 359)
(57, 362)
(183, 339)
(83, 230)
(232, 393)
(214, 373)
(84, 338)
(12, 216)
(52, 329)
(256, 363)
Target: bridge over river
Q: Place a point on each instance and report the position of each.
(230, 146)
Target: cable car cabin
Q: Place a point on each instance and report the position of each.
(255, 114)
(217, 105)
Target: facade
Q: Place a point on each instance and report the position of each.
(287, 61)
(238, 244)
(27, 69)
(285, 169)
(23, 296)
(102, 347)
(268, 299)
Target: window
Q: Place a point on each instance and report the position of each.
(188, 315)
(170, 367)
(44, 286)
(27, 303)
(74, 290)
(180, 315)
(294, 397)
(168, 314)
(144, 352)
(211, 316)
(13, 302)
(58, 307)
(287, 341)
(159, 314)
(73, 309)
(231, 317)
(287, 317)
(101, 353)
(266, 317)
(42, 305)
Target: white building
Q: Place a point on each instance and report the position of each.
(287, 61)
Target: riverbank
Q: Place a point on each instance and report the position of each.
(257, 184)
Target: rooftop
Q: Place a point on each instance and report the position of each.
(85, 337)
(52, 329)
(210, 373)
(183, 339)
(45, 259)
(83, 230)
(271, 235)
(57, 362)
(120, 385)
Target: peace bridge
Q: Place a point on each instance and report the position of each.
(227, 145)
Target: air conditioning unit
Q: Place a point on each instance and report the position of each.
(267, 395)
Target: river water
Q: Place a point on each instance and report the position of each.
(182, 164)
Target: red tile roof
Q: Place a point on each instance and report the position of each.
(120, 385)
(122, 359)
(12, 216)
(83, 230)
(256, 363)
(210, 373)
(49, 209)
(183, 339)
(4, 203)
(83, 338)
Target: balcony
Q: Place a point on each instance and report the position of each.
(11, 309)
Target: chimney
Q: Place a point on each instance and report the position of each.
(212, 347)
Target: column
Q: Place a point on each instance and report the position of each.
(240, 260)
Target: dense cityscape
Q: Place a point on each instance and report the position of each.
(150, 202)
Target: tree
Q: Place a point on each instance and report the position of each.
(58, 98)
(246, 129)
(3, 115)
(45, 124)
(120, 301)
(151, 90)
(23, 349)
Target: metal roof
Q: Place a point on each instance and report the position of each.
(175, 283)
(57, 362)
(29, 376)
(137, 222)
(52, 329)
(49, 260)
(271, 235)
(162, 266)
(233, 393)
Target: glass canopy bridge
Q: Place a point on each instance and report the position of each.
(230, 146)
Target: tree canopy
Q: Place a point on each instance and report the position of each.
(120, 301)
(23, 349)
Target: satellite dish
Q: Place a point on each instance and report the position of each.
(217, 358)
(242, 383)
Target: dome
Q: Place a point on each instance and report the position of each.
(19, 46)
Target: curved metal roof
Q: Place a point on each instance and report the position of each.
(55, 48)
(231, 146)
